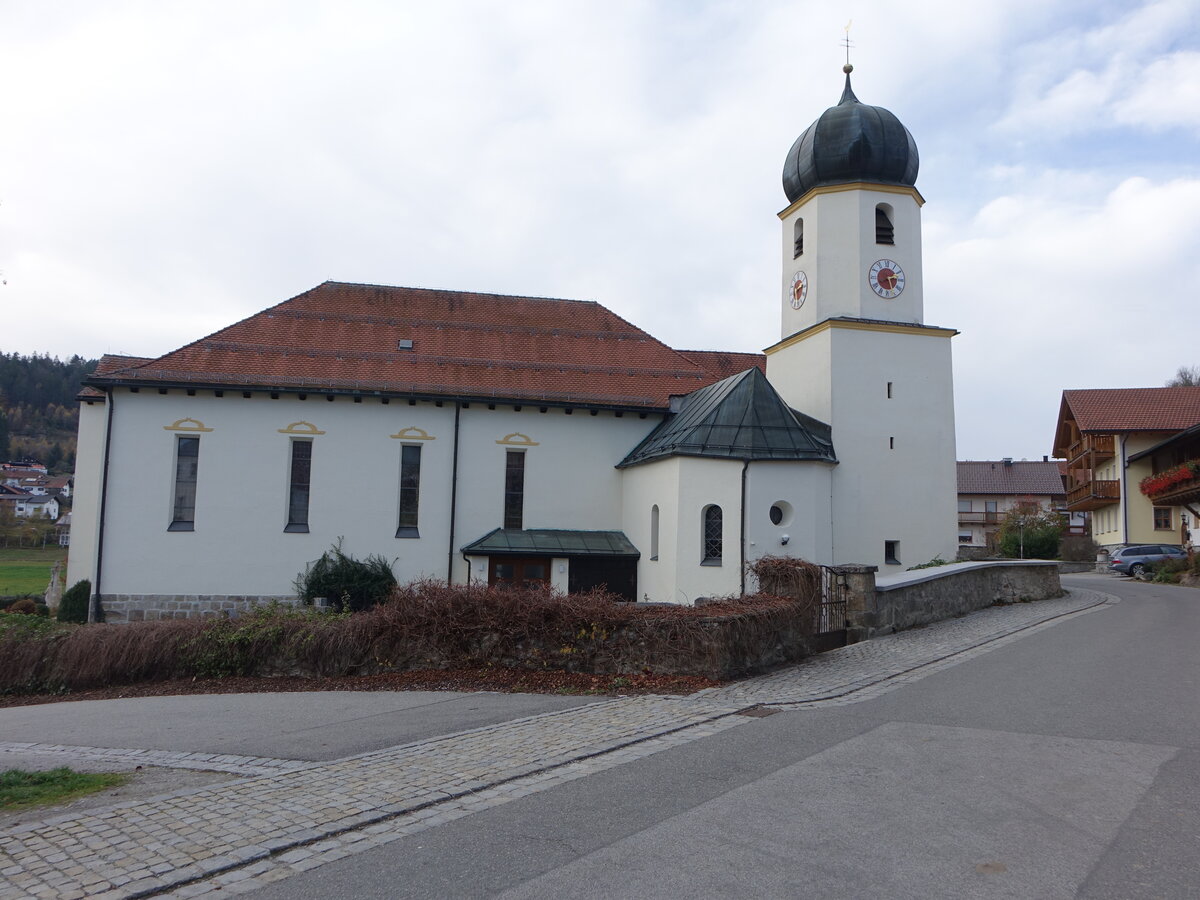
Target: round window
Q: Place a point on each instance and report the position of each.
(781, 513)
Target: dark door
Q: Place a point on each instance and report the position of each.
(520, 571)
(616, 575)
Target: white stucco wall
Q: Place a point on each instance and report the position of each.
(803, 492)
(85, 509)
(839, 249)
(643, 487)
(239, 546)
(897, 478)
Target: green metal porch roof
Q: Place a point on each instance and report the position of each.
(740, 417)
(551, 542)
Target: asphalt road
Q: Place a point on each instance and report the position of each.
(1065, 764)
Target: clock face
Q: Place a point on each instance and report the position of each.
(799, 289)
(886, 278)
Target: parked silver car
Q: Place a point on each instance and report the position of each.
(1135, 560)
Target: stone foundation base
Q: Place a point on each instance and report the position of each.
(122, 608)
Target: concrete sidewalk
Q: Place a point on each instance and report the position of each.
(305, 812)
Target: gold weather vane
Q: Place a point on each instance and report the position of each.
(847, 68)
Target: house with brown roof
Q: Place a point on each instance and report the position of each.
(989, 489)
(513, 439)
(1108, 438)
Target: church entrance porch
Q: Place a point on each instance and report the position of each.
(520, 571)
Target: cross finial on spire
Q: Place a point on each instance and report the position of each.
(847, 68)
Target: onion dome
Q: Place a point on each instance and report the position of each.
(850, 142)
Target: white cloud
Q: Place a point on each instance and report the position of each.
(167, 169)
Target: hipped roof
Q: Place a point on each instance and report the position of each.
(346, 337)
(740, 417)
(1120, 410)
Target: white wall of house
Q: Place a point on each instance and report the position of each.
(85, 511)
(839, 248)
(238, 545)
(644, 487)
(897, 477)
(703, 482)
(802, 490)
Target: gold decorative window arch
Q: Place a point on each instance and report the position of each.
(413, 433)
(186, 425)
(301, 429)
(516, 439)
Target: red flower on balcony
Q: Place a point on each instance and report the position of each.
(1152, 485)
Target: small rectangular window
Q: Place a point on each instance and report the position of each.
(1162, 518)
(891, 553)
(989, 506)
(410, 490)
(966, 537)
(514, 489)
(889, 390)
(891, 443)
(187, 459)
(964, 506)
(298, 486)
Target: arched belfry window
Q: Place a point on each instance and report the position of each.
(884, 232)
(711, 526)
(798, 231)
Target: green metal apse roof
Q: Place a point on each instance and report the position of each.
(740, 417)
(551, 542)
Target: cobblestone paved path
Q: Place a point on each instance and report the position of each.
(241, 834)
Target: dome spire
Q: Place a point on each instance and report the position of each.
(848, 93)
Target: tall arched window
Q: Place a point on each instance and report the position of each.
(884, 232)
(799, 238)
(711, 527)
(654, 532)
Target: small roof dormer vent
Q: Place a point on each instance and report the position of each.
(404, 344)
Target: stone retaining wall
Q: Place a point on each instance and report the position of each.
(909, 599)
(122, 608)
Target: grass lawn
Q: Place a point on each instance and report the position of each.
(26, 570)
(21, 790)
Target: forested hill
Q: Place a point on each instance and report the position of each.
(39, 415)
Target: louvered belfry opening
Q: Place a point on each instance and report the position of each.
(884, 232)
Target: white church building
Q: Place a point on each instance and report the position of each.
(479, 437)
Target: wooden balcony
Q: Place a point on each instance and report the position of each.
(1091, 448)
(1093, 495)
(1177, 494)
(979, 518)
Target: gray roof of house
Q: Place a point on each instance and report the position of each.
(551, 542)
(739, 417)
(1012, 477)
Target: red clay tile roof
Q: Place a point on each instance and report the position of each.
(723, 363)
(1114, 410)
(109, 364)
(345, 337)
(1018, 478)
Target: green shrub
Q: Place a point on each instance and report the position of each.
(1167, 571)
(74, 604)
(1030, 532)
(346, 582)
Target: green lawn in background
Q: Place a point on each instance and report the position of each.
(26, 570)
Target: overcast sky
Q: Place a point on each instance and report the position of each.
(167, 168)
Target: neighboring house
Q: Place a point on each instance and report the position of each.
(1174, 479)
(24, 505)
(59, 486)
(63, 528)
(989, 489)
(519, 439)
(1104, 435)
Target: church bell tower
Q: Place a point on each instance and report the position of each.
(854, 350)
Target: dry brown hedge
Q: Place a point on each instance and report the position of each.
(424, 625)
